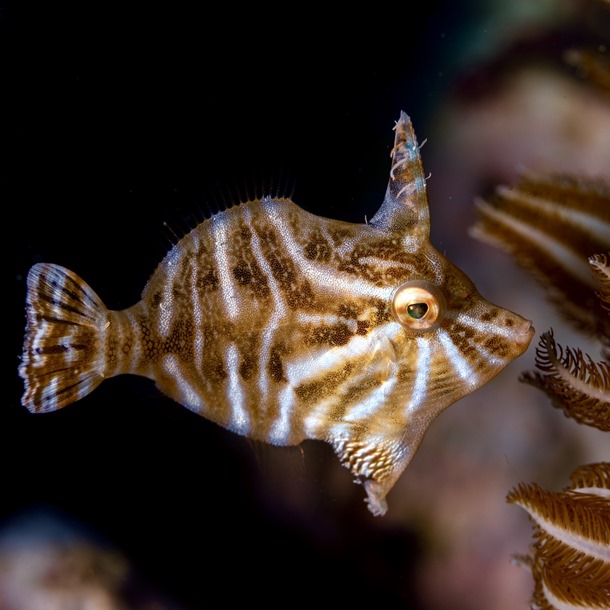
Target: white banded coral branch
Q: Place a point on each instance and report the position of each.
(600, 263)
(574, 382)
(551, 226)
(593, 64)
(570, 558)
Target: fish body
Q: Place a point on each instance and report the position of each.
(282, 326)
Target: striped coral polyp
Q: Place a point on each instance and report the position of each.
(570, 558)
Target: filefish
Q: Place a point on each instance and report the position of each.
(281, 326)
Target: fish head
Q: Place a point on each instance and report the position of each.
(451, 340)
(448, 338)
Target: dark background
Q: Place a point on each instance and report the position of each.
(122, 127)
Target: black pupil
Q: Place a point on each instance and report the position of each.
(417, 310)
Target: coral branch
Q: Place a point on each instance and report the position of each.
(574, 382)
(570, 558)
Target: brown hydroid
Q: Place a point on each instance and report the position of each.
(558, 229)
(570, 559)
(593, 64)
(600, 263)
(574, 382)
(591, 60)
(551, 226)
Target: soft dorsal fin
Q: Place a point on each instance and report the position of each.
(405, 207)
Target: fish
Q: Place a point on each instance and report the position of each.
(282, 326)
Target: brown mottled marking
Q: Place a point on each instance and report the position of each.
(246, 268)
(156, 300)
(462, 337)
(326, 334)
(207, 282)
(339, 235)
(347, 310)
(323, 386)
(275, 365)
(248, 346)
(317, 247)
(362, 327)
(497, 346)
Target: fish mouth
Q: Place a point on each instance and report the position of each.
(526, 334)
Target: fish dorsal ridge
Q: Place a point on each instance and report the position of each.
(405, 206)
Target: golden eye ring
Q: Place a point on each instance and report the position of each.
(419, 305)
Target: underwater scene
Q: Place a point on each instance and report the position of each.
(307, 306)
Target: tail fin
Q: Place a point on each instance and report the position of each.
(64, 346)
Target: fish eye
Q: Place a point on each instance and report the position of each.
(419, 305)
(417, 310)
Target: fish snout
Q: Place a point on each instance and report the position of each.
(524, 333)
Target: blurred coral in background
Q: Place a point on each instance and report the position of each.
(570, 558)
(48, 562)
(556, 226)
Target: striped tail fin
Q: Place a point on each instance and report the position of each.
(64, 346)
